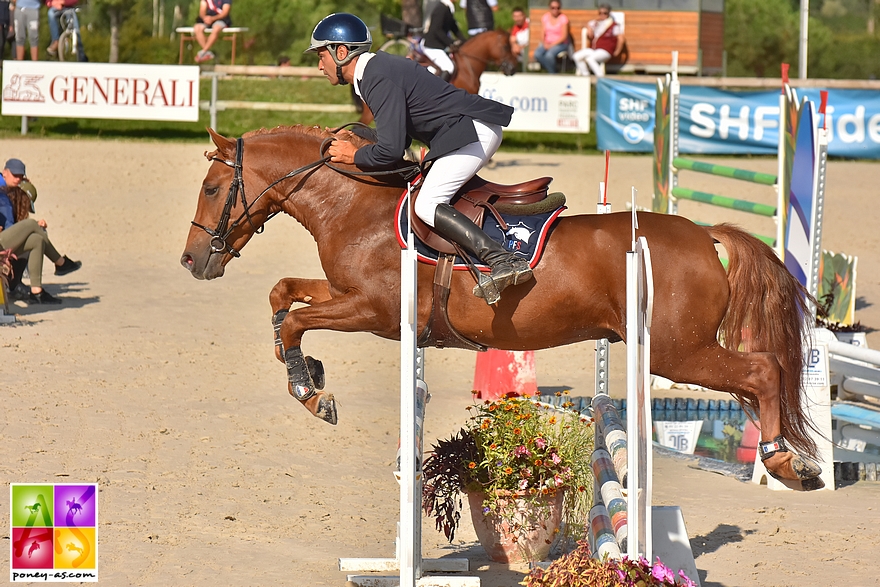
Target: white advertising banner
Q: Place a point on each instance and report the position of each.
(542, 102)
(101, 90)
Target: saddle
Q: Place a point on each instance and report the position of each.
(473, 200)
(478, 195)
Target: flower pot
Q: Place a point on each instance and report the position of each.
(531, 542)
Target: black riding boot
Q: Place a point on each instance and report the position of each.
(507, 268)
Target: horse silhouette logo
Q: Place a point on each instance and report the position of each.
(73, 507)
(517, 236)
(33, 509)
(73, 547)
(23, 88)
(34, 547)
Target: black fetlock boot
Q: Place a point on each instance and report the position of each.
(507, 268)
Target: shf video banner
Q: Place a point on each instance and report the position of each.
(728, 122)
(101, 90)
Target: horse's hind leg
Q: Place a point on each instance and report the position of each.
(756, 377)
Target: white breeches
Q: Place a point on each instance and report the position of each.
(592, 58)
(450, 172)
(439, 57)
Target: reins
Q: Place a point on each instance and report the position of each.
(224, 229)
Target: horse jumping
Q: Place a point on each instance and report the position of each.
(578, 292)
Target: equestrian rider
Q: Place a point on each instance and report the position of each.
(462, 130)
(439, 28)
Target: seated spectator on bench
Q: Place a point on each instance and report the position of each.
(556, 37)
(213, 14)
(519, 35)
(606, 41)
(28, 236)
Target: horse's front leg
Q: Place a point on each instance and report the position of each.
(351, 312)
(289, 291)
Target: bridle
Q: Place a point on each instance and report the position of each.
(224, 229)
(218, 235)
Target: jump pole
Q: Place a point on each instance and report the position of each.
(413, 397)
(668, 163)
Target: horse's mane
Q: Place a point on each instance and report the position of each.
(313, 131)
(299, 130)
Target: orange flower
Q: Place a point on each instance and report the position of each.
(493, 446)
(484, 425)
(545, 491)
(517, 430)
(472, 465)
(508, 470)
(552, 419)
(538, 462)
(492, 407)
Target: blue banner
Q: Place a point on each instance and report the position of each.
(725, 122)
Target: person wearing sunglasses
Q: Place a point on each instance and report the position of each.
(605, 37)
(556, 39)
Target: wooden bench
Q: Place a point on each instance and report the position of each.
(229, 34)
(651, 36)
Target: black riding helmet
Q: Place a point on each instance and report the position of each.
(337, 29)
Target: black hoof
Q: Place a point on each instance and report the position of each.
(327, 409)
(812, 484)
(316, 371)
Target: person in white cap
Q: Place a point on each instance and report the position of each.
(29, 236)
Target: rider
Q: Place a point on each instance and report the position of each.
(438, 30)
(479, 15)
(463, 131)
(56, 7)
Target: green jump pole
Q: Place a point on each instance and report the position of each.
(724, 171)
(724, 202)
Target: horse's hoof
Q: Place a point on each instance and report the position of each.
(812, 484)
(805, 468)
(327, 409)
(316, 371)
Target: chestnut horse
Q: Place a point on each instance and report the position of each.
(578, 292)
(471, 59)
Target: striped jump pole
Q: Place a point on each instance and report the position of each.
(668, 164)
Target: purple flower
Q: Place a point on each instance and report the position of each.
(662, 573)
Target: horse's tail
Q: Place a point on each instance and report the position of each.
(767, 299)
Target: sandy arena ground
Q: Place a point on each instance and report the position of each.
(165, 391)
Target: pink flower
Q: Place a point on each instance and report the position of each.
(686, 579)
(524, 483)
(662, 573)
(521, 451)
(540, 443)
(555, 458)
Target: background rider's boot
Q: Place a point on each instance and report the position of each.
(507, 268)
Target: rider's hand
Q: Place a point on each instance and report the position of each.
(42, 224)
(342, 151)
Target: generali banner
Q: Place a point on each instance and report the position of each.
(101, 90)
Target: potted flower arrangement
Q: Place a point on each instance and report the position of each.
(579, 569)
(525, 468)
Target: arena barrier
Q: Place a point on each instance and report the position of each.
(413, 397)
(799, 183)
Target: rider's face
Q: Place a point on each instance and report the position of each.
(327, 66)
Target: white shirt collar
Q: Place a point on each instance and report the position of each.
(359, 68)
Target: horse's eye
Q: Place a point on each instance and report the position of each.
(211, 191)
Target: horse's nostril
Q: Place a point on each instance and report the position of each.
(186, 261)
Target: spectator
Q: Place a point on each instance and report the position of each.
(479, 15)
(438, 36)
(27, 26)
(556, 39)
(606, 41)
(213, 14)
(283, 61)
(519, 35)
(7, 29)
(29, 236)
(56, 7)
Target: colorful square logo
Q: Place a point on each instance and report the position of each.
(54, 532)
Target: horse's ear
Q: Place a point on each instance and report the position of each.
(225, 146)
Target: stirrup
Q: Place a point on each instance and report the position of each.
(503, 275)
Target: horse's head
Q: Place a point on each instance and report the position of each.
(498, 48)
(227, 214)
